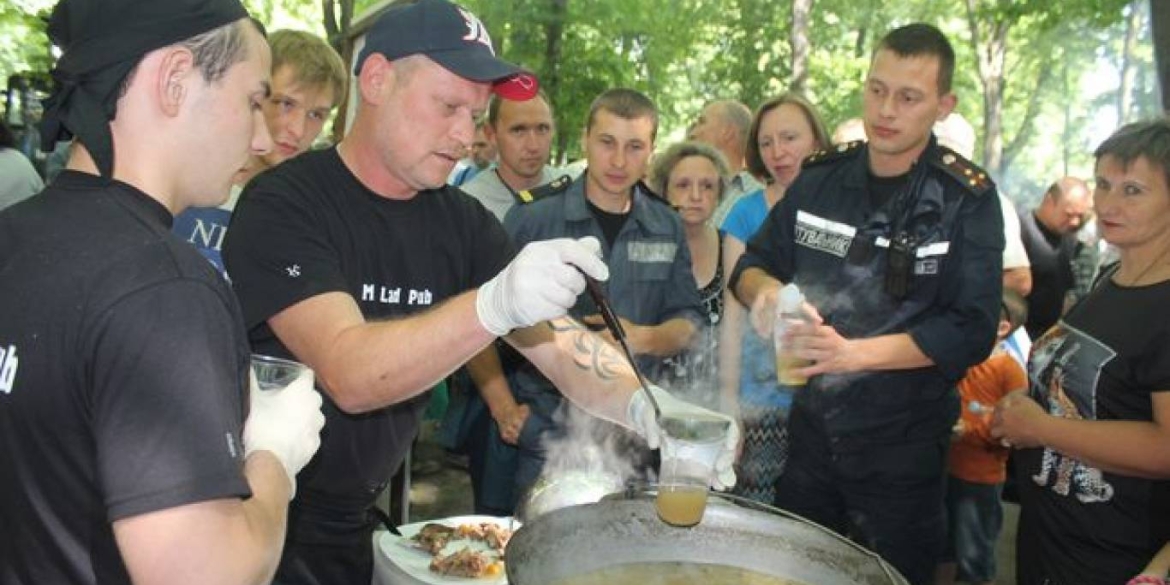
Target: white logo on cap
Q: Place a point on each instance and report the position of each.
(526, 82)
(476, 31)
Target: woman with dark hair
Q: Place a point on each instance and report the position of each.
(1093, 432)
(784, 131)
(18, 178)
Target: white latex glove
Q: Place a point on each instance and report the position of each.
(541, 283)
(286, 423)
(641, 417)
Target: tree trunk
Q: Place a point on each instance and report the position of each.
(800, 45)
(1067, 133)
(991, 55)
(337, 25)
(866, 24)
(1016, 145)
(336, 32)
(554, 32)
(1160, 23)
(1133, 25)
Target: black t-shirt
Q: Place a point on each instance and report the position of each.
(123, 378)
(883, 189)
(1103, 361)
(1051, 256)
(611, 223)
(309, 227)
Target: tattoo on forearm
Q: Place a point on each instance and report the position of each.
(589, 351)
(564, 325)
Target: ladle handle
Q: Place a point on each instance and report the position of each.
(615, 328)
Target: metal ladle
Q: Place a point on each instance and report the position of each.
(615, 329)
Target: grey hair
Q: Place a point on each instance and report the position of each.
(664, 164)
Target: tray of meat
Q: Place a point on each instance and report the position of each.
(461, 549)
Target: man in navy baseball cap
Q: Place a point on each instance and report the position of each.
(450, 36)
(362, 262)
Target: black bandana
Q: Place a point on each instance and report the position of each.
(102, 41)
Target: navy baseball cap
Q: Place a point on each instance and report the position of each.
(451, 36)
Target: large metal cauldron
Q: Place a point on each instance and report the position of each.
(734, 532)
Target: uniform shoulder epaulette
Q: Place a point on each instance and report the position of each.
(967, 173)
(555, 187)
(835, 152)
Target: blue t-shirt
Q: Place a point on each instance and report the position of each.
(746, 216)
(204, 228)
(758, 386)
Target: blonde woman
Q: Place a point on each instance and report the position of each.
(784, 131)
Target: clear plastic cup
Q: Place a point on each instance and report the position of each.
(789, 312)
(690, 446)
(273, 373)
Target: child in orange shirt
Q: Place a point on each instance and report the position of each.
(978, 463)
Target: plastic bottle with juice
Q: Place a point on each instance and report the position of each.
(788, 312)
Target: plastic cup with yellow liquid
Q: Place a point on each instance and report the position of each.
(789, 310)
(690, 446)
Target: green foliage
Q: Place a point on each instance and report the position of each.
(297, 14)
(1055, 70)
(1060, 79)
(24, 46)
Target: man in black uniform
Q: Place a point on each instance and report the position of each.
(124, 361)
(363, 263)
(1049, 233)
(897, 244)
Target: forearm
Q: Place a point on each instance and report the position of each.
(663, 340)
(889, 352)
(1018, 279)
(228, 541)
(751, 283)
(730, 354)
(488, 375)
(586, 369)
(1131, 448)
(266, 512)
(249, 548)
(371, 365)
(1160, 565)
(733, 249)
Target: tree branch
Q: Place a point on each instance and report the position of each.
(1023, 133)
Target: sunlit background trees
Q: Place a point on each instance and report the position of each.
(1043, 82)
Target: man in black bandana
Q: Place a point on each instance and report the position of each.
(124, 368)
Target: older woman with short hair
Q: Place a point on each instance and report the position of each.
(692, 177)
(1094, 430)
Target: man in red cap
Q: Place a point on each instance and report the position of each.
(361, 262)
(124, 368)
